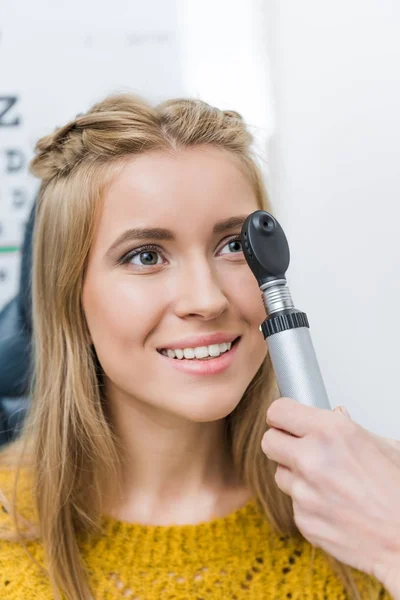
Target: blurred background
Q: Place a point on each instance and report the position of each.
(318, 83)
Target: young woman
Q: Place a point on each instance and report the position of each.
(139, 473)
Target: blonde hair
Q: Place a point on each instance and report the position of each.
(68, 439)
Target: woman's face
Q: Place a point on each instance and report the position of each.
(193, 281)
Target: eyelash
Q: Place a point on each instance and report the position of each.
(151, 248)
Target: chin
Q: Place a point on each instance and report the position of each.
(205, 411)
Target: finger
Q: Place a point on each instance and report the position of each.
(284, 479)
(280, 447)
(293, 417)
(390, 441)
(393, 442)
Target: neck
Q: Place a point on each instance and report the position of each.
(172, 469)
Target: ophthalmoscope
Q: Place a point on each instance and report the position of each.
(286, 329)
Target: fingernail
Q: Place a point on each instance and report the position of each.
(344, 411)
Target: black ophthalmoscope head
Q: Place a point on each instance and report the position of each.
(265, 247)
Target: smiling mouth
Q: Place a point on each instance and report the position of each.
(163, 352)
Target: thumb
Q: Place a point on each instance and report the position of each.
(390, 441)
(393, 443)
(342, 410)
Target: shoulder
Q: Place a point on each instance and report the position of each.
(21, 572)
(325, 573)
(298, 564)
(16, 492)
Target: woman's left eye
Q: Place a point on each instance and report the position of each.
(147, 254)
(234, 243)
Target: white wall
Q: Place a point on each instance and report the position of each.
(224, 60)
(336, 190)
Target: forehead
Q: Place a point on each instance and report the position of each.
(190, 189)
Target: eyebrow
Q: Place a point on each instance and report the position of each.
(159, 233)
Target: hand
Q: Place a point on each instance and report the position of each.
(344, 482)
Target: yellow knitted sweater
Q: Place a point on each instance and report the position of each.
(229, 558)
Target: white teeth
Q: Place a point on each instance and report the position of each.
(200, 352)
(214, 350)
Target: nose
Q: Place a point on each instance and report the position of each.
(199, 291)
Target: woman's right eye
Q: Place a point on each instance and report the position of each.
(144, 256)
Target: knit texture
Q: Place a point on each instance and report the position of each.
(229, 558)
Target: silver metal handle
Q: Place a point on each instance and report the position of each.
(296, 367)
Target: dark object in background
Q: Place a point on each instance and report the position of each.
(16, 346)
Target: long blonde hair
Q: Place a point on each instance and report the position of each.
(67, 438)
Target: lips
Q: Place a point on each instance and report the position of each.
(200, 367)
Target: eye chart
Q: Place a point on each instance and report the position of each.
(55, 61)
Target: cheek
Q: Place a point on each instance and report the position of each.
(247, 299)
(247, 296)
(119, 315)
